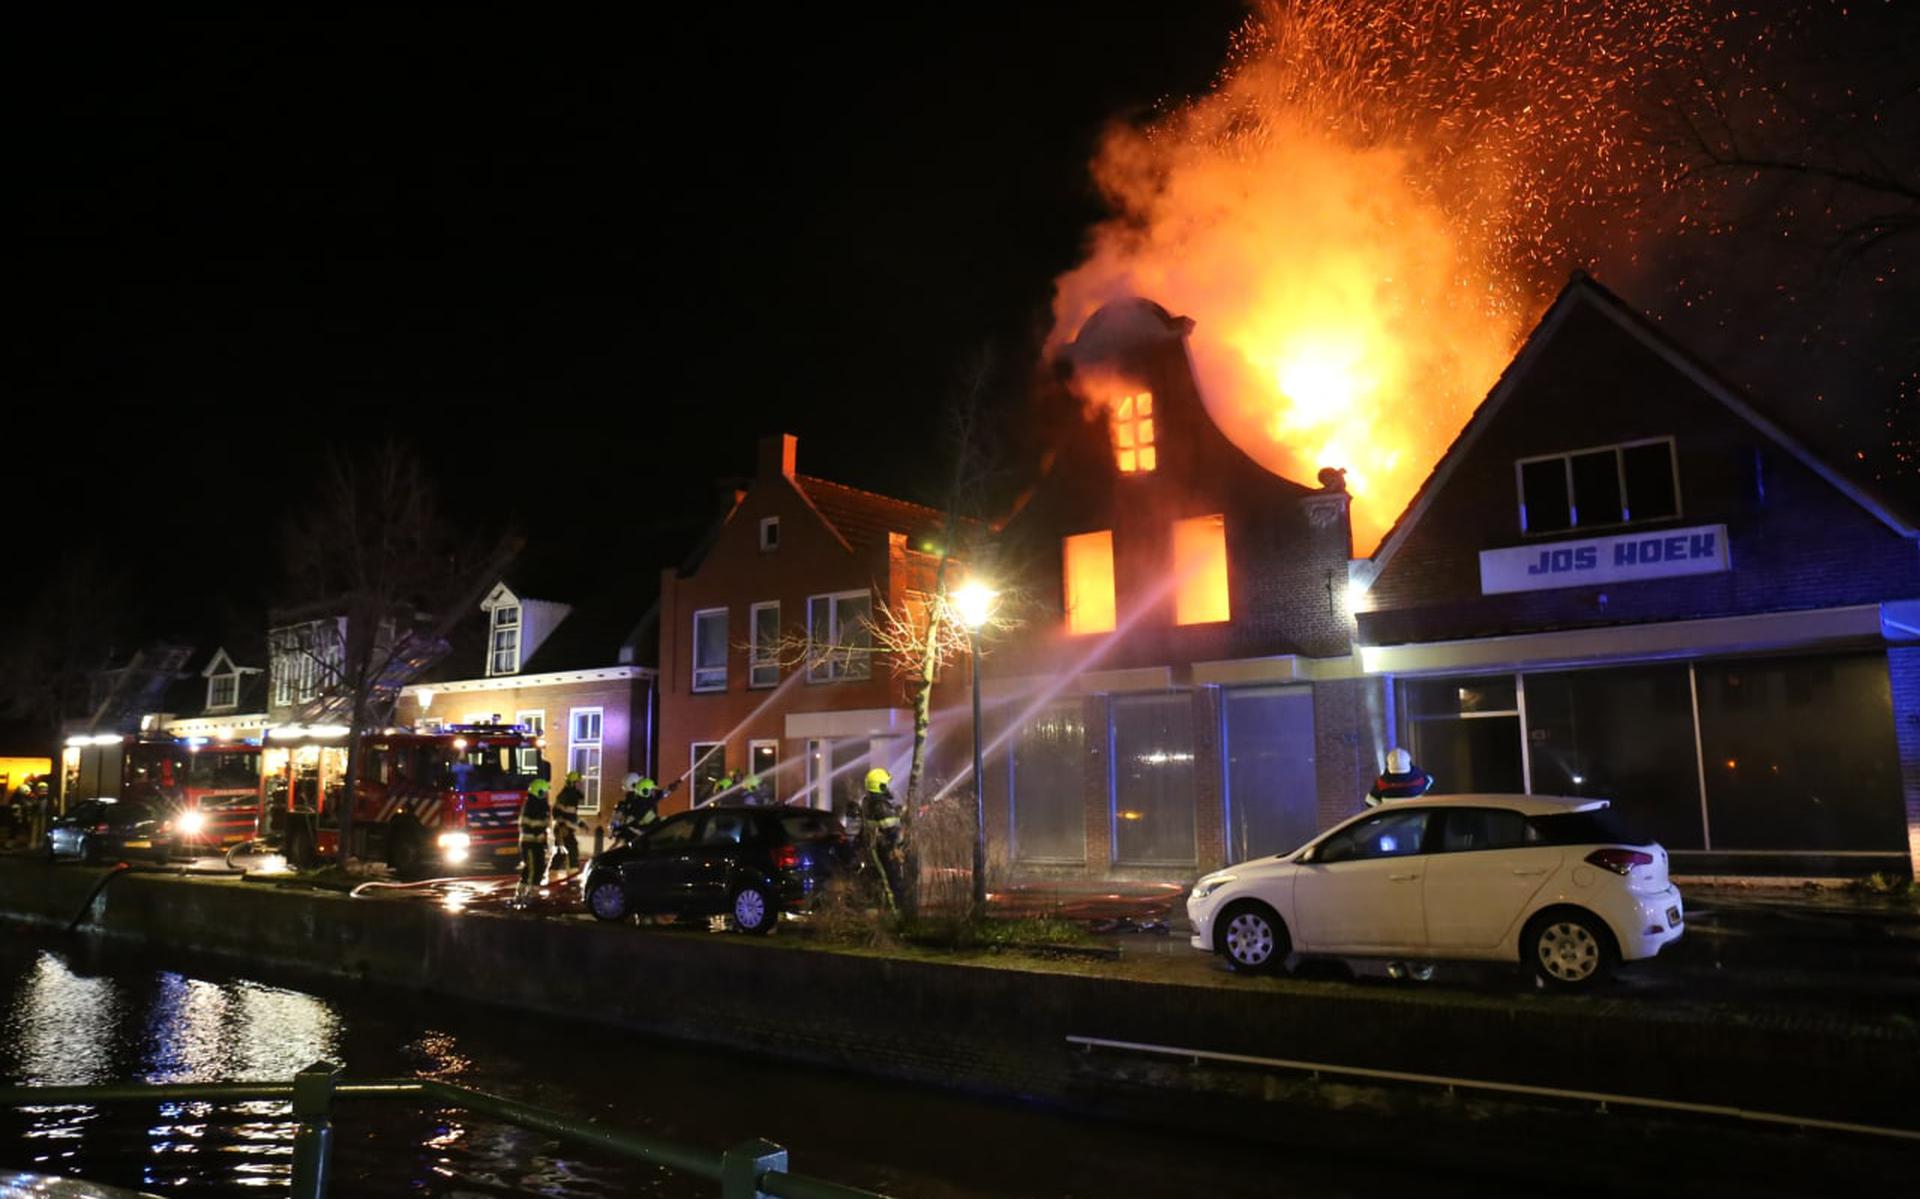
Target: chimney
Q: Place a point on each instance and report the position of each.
(776, 456)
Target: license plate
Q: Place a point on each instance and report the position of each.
(136, 845)
(505, 851)
(1673, 917)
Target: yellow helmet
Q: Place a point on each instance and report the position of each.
(537, 787)
(573, 776)
(646, 784)
(878, 780)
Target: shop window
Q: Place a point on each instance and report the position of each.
(710, 649)
(1153, 779)
(840, 642)
(1049, 810)
(1624, 735)
(1465, 732)
(1089, 582)
(1135, 450)
(1273, 795)
(763, 669)
(1200, 570)
(1800, 753)
(1631, 483)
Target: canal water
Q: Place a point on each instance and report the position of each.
(74, 1011)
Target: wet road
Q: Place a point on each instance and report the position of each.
(75, 1012)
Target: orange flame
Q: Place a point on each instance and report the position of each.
(1360, 216)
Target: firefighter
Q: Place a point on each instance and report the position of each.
(752, 791)
(42, 810)
(535, 815)
(639, 807)
(1401, 779)
(880, 827)
(566, 823)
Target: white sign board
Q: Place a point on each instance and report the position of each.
(1622, 558)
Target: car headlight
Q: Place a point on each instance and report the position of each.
(190, 823)
(1212, 883)
(455, 841)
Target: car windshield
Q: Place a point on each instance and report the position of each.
(230, 771)
(479, 768)
(1595, 827)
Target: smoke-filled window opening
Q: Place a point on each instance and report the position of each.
(1049, 808)
(1088, 575)
(1630, 483)
(1152, 778)
(1200, 570)
(1134, 448)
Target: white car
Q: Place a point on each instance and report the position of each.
(1528, 878)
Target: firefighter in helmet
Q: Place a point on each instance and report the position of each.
(639, 807)
(535, 815)
(753, 790)
(1401, 779)
(566, 823)
(880, 824)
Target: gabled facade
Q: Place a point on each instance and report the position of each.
(1183, 693)
(573, 671)
(795, 562)
(1622, 581)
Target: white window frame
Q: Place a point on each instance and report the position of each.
(837, 667)
(1135, 448)
(696, 751)
(763, 661)
(770, 778)
(584, 753)
(769, 534)
(496, 627)
(231, 679)
(712, 682)
(301, 662)
(1566, 458)
(536, 721)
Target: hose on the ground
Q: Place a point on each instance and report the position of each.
(371, 885)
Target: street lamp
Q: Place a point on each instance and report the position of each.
(973, 604)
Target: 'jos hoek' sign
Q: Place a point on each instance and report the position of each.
(1623, 558)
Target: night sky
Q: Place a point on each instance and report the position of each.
(579, 267)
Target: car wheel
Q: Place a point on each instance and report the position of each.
(753, 910)
(608, 901)
(1252, 938)
(1568, 950)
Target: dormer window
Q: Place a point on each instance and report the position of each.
(505, 658)
(223, 691)
(1134, 449)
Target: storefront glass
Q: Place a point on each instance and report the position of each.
(1465, 732)
(1153, 779)
(1049, 805)
(1800, 754)
(1272, 795)
(1624, 735)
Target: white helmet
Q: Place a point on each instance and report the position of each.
(633, 779)
(1399, 761)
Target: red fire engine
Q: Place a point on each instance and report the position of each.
(441, 801)
(207, 792)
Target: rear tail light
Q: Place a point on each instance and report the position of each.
(786, 857)
(1620, 861)
(101, 828)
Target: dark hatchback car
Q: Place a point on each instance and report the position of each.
(749, 863)
(104, 830)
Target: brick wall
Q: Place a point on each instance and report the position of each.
(1903, 670)
(1349, 729)
(1795, 540)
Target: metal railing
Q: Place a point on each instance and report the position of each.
(750, 1170)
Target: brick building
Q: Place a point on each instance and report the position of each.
(794, 558)
(1187, 693)
(1622, 581)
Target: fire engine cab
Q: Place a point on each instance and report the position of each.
(206, 792)
(445, 800)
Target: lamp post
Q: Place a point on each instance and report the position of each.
(973, 603)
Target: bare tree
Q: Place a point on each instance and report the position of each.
(64, 639)
(374, 554)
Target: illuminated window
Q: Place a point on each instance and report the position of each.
(1133, 445)
(1200, 570)
(1089, 582)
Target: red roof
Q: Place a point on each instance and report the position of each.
(863, 518)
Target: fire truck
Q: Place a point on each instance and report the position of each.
(206, 792)
(442, 801)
